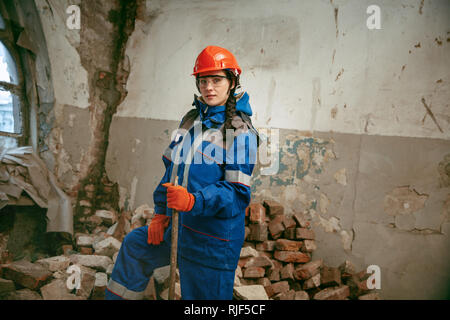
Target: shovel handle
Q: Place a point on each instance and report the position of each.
(173, 250)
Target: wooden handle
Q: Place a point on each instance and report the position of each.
(173, 250)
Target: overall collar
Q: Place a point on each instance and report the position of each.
(211, 117)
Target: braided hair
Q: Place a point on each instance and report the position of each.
(230, 104)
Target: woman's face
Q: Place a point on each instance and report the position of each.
(214, 87)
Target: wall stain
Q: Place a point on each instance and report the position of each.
(339, 74)
(430, 113)
(421, 6)
(336, 10)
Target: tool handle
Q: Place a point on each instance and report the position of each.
(173, 250)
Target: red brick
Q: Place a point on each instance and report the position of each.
(261, 261)
(301, 295)
(290, 234)
(288, 245)
(330, 277)
(254, 272)
(264, 281)
(312, 282)
(301, 220)
(303, 233)
(243, 261)
(370, 296)
(287, 272)
(357, 287)
(273, 208)
(268, 245)
(333, 293)
(257, 213)
(269, 290)
(292, 256)
(308, 270)
(290, 295)
(308, 246)
(274, 274)
(289, 223)
(86, 250)
(276, 227)
(27, 274)
(258, 232)
(280, 287)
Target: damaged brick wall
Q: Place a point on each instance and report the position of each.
(104, 33)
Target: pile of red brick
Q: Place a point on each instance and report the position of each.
(277, 255)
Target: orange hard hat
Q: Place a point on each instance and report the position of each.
(215, 58)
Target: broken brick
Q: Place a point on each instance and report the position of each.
(312, 282)
(287, 272)
(27, 274)
(258, 232)
(290, 234)
(101, 281)
(370, 296)
(330, 277)
(301, 220)
(274, 274)
(273, 208)
(280, 287)
(301, 295)
(276, 227)
(309, 246)
(303, 233)
(267, 245)
(289, 223)
(333, 293)
(308, 270)
(288, 245)
(292, 256)
(57, 290)
(248, 252)
(254, 272)
(261, 261)
(290, 295)
(257, 213)
(6, 286)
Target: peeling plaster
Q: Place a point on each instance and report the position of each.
(341, 177)
(403, 200)
(444, 172)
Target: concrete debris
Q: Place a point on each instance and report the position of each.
(275, 263)
(107, 247)
(58, 263)
(92, 261)
(251, 292)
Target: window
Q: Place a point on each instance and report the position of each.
(13, 127)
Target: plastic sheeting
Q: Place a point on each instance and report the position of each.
(21, 170)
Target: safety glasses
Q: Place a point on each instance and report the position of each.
(216, 80)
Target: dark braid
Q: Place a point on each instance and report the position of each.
(231, 101)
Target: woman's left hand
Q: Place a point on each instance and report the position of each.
(179, 198)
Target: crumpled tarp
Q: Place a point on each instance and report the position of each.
(22, 170)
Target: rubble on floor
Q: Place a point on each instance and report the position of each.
(275, 263)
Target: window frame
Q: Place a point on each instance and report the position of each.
(8, 38)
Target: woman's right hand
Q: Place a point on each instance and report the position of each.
(156, 229)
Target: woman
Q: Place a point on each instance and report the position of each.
(212, 155)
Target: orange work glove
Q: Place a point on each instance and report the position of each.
(179, 198)
(156, 229)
